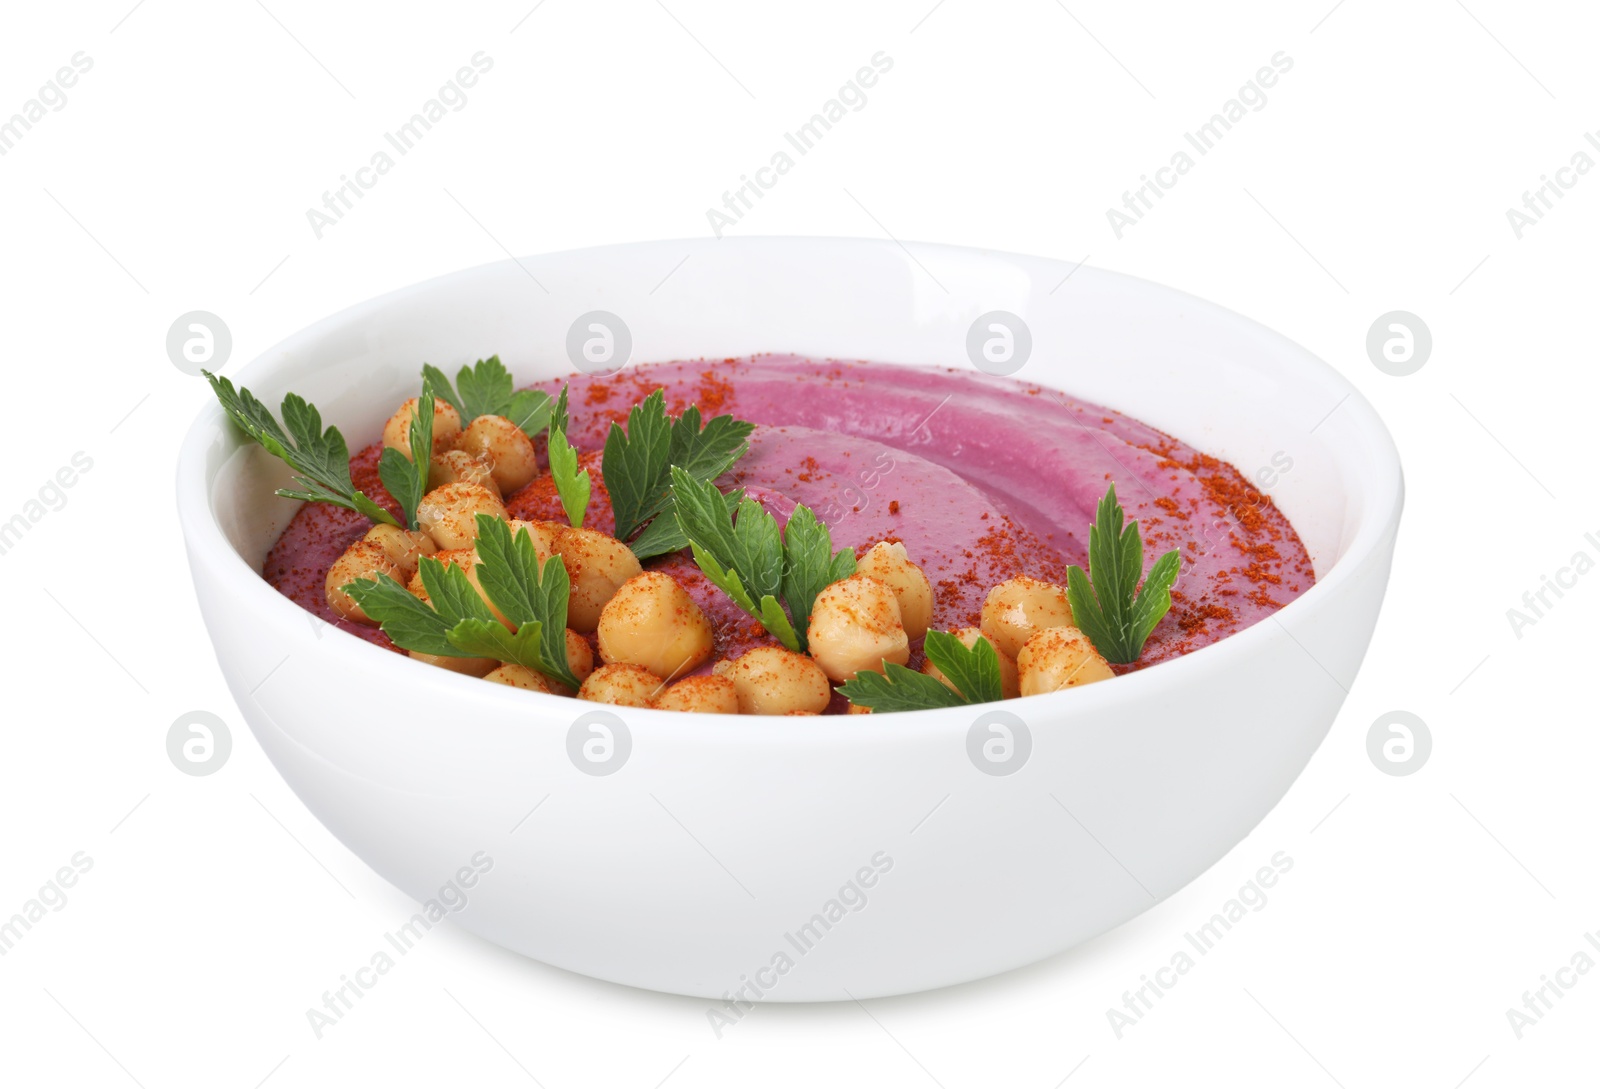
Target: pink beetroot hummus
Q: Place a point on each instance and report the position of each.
(981, 478)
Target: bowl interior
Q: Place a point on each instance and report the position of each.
(1214, 379)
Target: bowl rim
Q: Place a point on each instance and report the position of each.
(1378, 509)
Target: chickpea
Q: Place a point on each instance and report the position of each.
(472, 667)
(855, 625)
(597, 565)
(580, 658)
(626, 685)
(1008, 668)
(467, 560)
(449, 514)
(508, 451)
(364, 559)
(460, 467)
(543, 534)
(1057, 658)
(707, 695)
(774, 681)
(857, 709)
(1018, 607)
(405, 547)
(517, 676)
(446, 426)
(477, 584)
(652, 622)
(463, 558)
(887, 562)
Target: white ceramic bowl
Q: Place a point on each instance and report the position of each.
(697, 863)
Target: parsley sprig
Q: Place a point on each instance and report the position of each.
(743, 553)
(319, 458)
(975, 672)
(1104, 604)
(406, 478)
(571, 485)
(638, 466)
(456, 620)
(487, 389)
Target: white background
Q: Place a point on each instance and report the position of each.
(1377, 177)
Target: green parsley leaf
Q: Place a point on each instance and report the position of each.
(707, 452)
(486, 389)
(720, 546)
(492, 639)
(767, 610)
(753, 562)
(636, 464)
(1104, 605)
(407, 478)
(898, 689)
(530, 410)
(725, 579)
(777, 622)
(394, 469)
(320, 458)
(571, 485)
(451, 593)
(757, 549)
(703, 516)
(558, 412)
(809, 564)
(527, 592)
(975, 671)
(1156, 597)
(663, 534)
(433, 376)
(509, 570)
(411, 622)
(456, 620)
